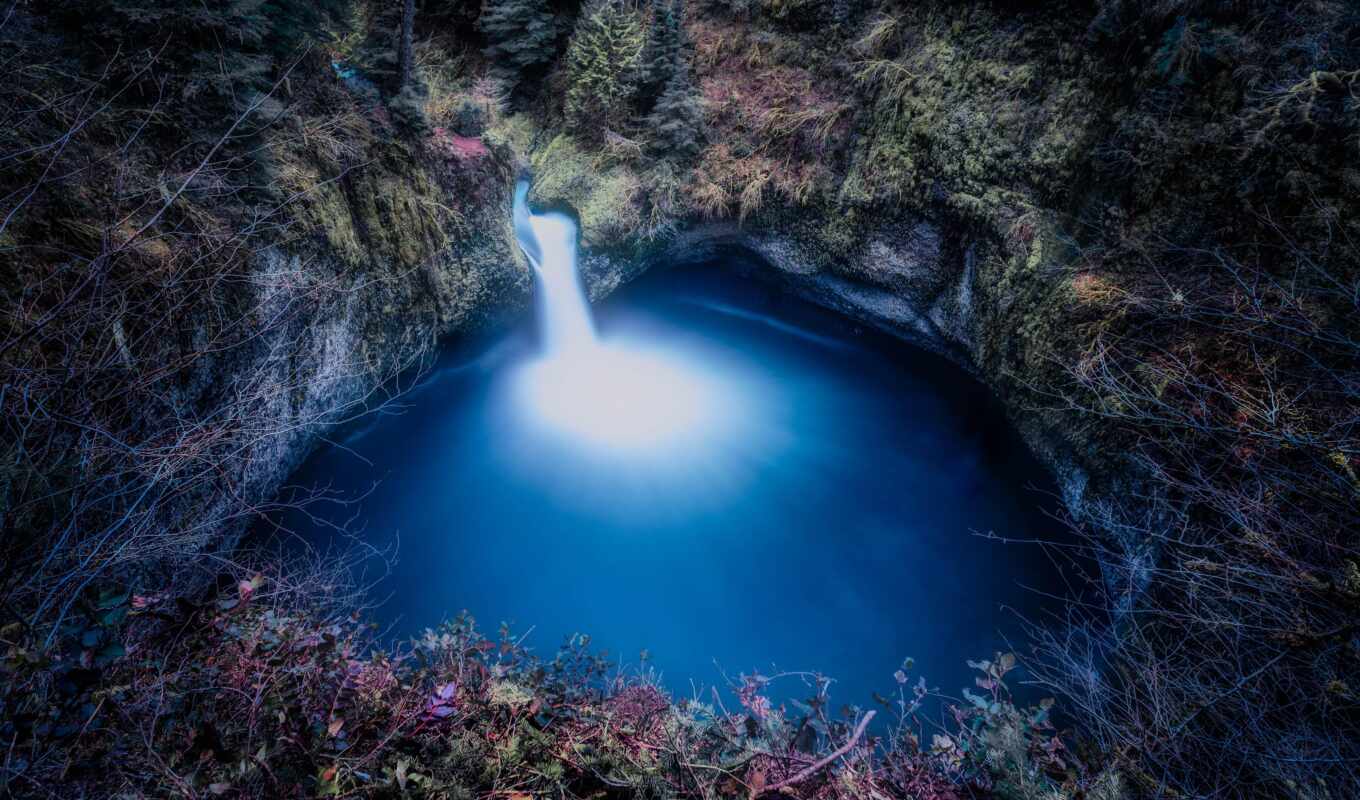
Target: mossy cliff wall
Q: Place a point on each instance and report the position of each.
(936, 210)
(979, 177)
(412, 266)
(187, 314)
(924, 179)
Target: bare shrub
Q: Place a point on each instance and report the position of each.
(157, 361)
(1225, 670)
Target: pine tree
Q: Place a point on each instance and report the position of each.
(664, 45)
(602, 66)
(406, 44)
(295, 23)
(407, 104)
(677, 122)
(380, 50)
(521, 35)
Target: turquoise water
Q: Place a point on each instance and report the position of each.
(757, 485)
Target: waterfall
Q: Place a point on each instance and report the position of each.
(622, 394)
(549, 242)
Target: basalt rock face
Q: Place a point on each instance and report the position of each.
(952, 282)
(913, 278)
(917, 278)
(904, 278)
(351, 319)
(398, 239)
(349, 356)
(990, 291)
(935, 200)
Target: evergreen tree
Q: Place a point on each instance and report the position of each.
(677, 116)
(602, 66)
(378, 53)
(664, 48)
(406, 44)
(407, 101)
(677, 122)
(210, 52)
(521, 35)
(295, 23)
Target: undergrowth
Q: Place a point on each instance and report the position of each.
(260, 689)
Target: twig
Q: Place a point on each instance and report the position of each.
(815, 768)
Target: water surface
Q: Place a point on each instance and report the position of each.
(810, 496)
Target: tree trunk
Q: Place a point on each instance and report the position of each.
(405, 54)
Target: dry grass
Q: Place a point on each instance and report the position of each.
(892, 78)
(752, 195)
(777, 128)
(881, 36)
(619, 149)
(817, 123)
(665, 198)
(709, 198)
(1092, 289)
(443, 69)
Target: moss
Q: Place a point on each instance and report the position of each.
(510, 695)
(389, 210)
(842, 233)
(607, 199)
(967, 111)
(515, 132)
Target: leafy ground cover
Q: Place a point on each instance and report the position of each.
(257, 690)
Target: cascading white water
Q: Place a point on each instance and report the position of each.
(614, 395)
(549, 241)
